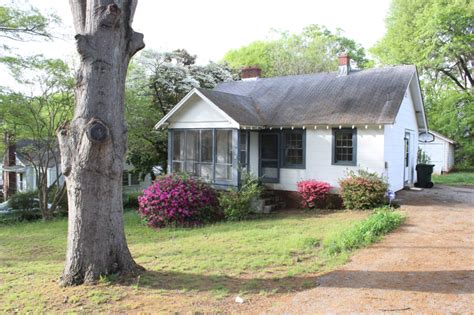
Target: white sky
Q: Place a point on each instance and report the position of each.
(209, 28)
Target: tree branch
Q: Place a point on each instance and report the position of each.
(136, 43)
(452, 77)
(466, 71)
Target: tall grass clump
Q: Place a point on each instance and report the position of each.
(381, 222)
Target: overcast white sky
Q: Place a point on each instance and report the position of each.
(209, 28)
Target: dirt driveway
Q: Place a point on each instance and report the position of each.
(425, 266)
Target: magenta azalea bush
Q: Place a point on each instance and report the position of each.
(313, 193)
(179, 201)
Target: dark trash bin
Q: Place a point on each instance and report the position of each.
(423, 174)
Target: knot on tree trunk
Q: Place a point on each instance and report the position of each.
(97, 131)
(109, 15)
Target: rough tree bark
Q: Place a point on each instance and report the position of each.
(93, 144)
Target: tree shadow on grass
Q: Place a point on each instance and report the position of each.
(449, 281)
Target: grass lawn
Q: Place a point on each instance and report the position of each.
(455, 178)
(187, 269)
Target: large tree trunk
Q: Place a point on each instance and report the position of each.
(94, 143)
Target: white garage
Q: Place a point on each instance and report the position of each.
(441, 152)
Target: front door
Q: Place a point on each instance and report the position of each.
(270, 157)
(407, 158)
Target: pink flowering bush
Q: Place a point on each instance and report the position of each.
(313, 193)
(179, 201)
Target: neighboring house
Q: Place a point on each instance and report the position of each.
(134, 181)
(287, 129)
(26, 176)
(440, 150)
(25, 152)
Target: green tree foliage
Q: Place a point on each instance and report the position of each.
(315, 49)
(438, 37)
(156, 82)
(24, 24)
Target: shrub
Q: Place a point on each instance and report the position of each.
(24, 200)
(382, 221)
(178, 201)
(238, 205)
(363, 190)
(313, 193)
(422, 157)
(130, 199)
(16, 216)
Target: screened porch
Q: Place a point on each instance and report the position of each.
(217, 156)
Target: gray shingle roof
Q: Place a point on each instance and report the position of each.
(370, 96)
(241, 108)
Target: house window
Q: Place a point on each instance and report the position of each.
(344, 146)
(125, 178)
(407, 153)
(134, 178)
(204, 153)
(244, 150)
(293, 147)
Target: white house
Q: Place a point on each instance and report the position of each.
(26, 177)
(24, 153)
(287, 129)
(440, 150)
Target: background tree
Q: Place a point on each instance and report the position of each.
(94, 143)
(22, 24)
(438, 37)
(33, 121)
(18, 24)
(315, 49)
(156, 82)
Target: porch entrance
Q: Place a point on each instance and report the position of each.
(270, 157)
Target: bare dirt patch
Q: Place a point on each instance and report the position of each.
(425, 266)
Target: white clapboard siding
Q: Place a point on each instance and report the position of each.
(197, 113)
(370, 144)
(394, 143)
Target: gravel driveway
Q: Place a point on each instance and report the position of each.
(425, 266)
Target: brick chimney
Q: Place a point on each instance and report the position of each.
(250, 73)
(344, 64)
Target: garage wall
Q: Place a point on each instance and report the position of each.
(441, 153)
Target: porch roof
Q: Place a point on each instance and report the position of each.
(240, 108)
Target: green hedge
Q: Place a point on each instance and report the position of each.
(381, 222)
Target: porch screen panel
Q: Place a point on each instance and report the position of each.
(223, 154)
(192, 152)
(206, 160)
(178, 151)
